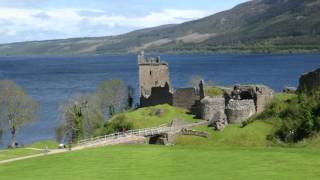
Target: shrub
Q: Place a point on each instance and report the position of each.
(298, 118)
(118, 124)
(273, 110)
(294, 117)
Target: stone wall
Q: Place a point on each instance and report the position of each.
(211, 106)
(213, 110)
(190, 132)
(263, 97)
(163, 139)
(309, 82)
(238, 111)
(189, 98)
(185, 98)
(260, 94)
(159, 95)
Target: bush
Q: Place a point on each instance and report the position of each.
(294, 117)
(118, 124)
(273, 110)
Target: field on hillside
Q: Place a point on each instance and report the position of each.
(236, 153)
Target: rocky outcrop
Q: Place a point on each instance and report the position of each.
(238, 111)
(309, 82)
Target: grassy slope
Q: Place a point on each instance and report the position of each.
(251, 136)
(236, 153)
(146, 117)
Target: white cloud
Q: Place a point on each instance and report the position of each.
(68, 22)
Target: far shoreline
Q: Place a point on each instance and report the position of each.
(202, 53)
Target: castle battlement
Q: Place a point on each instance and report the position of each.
(154, 61)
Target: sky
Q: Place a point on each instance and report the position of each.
(29, 20)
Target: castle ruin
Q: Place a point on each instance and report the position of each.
(234, 106)
(309, 82)
(155, 86)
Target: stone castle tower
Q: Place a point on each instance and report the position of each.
(155, 86)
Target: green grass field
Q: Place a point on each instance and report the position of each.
(14, 153)
(236, 153)
(43, 144)
(159, 162)
(27, 150)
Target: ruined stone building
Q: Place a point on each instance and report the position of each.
(234, 106)
(310, 82)
(155, 86)
(189, 98)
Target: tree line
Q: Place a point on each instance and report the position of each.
(81, 116)
(86, 116)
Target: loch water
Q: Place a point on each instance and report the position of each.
(53, 80)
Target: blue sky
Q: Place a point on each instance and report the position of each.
(26, 20)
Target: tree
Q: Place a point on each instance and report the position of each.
(16, 108)
(195, 81)
(113, 96)
(80, 116)
(130, 97)
(1, 133)
(83, 116)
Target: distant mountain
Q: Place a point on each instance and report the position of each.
(254, 26)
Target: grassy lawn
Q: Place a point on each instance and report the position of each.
(42, 144)
(14, 153)
(20, 152)
(178, 162)
(236, 153)
(148, 117)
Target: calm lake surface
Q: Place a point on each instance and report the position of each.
(51, 81)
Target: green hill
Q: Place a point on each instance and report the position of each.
(254, 26)
(154, 116)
